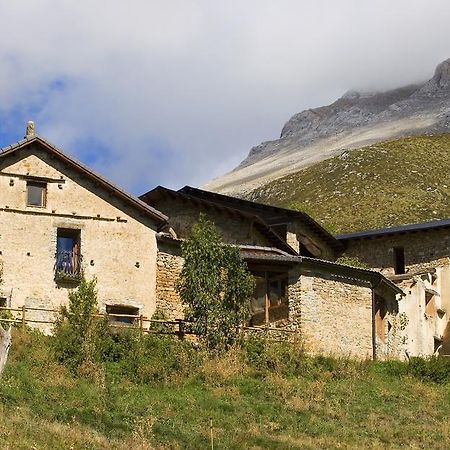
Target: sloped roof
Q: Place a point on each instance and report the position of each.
(156, 215)
(260, 225)
(409, 228)
(271, 214)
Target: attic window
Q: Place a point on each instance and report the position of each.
(399, 260)
(36, 194)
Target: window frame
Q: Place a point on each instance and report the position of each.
(43, 187)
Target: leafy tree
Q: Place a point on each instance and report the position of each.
(216, 286)
(79, 334)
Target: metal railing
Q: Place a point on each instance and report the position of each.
(68, 266)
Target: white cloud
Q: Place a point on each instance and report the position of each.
(179, 91)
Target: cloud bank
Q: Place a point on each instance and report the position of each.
(174, 92)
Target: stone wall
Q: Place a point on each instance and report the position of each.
(423, 250)
(233, 228)
(118, 244)
(169, 266)
(335, 316)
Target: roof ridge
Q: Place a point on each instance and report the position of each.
(75, 162)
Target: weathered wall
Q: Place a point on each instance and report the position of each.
(298, 236)
(335, 316)
(169, 266)
(118, 246)
(423, 250)
(426, 314)
(234, 229)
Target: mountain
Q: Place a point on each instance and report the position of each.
(353, 121)
(389, 183)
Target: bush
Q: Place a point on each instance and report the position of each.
(150, 358)
(434, 369)
(80, 336)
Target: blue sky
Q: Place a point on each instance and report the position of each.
(174, 92)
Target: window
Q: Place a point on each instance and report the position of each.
(68, 256)
(269, 302)
(120, 314)
(399, 260)
(36, 194)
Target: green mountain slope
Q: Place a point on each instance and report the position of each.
(385, 184)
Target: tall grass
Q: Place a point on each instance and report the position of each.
(159, 392)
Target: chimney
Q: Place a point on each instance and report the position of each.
(30, 133)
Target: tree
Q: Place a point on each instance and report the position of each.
(5, 336)
(215, 285)
(79, 334)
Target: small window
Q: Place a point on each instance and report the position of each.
(399, 260)
(36, 193)
(122, 315)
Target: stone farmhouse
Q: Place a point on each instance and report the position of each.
(59, 220)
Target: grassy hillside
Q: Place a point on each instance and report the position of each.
(275, 398)
(390, 183)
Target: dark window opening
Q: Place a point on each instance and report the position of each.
(36, 194)
(305, 252)
(269, 302)
(3, 302)
(399, 260)
(68, 255)
(120, 314)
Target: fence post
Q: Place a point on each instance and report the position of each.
(180, 328)
(141, 325)
(23, 317)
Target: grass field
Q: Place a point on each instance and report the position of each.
(274, 399)
(390, 183)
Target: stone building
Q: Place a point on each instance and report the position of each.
(58, 219)
(417, 258)
(336, 308)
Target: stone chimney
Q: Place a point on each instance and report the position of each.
(30, 129)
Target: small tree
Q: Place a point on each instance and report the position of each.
(5, 335)
(79, 334)
(216, 286)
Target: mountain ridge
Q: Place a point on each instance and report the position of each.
(355, 120)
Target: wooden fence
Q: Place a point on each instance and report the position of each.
(21, 317)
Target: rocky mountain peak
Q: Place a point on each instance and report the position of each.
(442, 74)
(355, 120)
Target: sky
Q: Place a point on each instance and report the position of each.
(176, 92)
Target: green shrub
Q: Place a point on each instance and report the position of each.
(436, 369)
(80, 336)
(150, 358)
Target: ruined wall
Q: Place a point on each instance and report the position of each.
(118, 246)
(169, 266)
(335, 316)
(423, 250)
(233, 229)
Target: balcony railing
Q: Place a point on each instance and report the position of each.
(68, 266)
